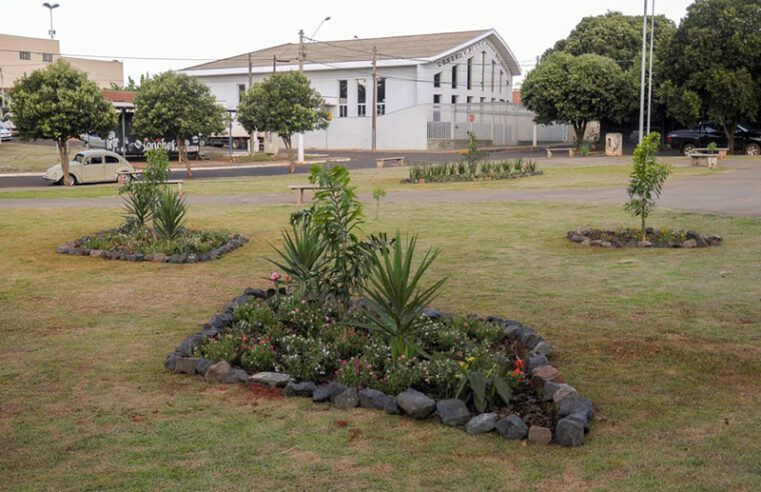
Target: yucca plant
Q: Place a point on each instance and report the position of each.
(396, 299)
(304, 259)
(169, 214)
(138, 207)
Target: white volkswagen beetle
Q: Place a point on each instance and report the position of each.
(91, 166)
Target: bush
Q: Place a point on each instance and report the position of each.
(169, 215)
(646, 179)
(467, 171)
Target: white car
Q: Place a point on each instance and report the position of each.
(8, 123)
(5, 134)
(91, 166)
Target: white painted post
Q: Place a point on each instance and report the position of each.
(533, 141)
(300, 159)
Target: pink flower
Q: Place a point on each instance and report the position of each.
(274, 276)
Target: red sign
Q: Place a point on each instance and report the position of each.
(472, 118)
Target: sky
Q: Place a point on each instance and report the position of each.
(188, 32)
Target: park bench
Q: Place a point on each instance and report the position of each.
(704, 159)
(399, 161)
(550, 150)
(301, 188)
(136, 175)
(722, 151)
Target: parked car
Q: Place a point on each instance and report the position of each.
(5, 134)
(8, 123)
(747, 140)
(91, 166)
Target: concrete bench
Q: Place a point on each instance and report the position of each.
(301, 189)
(138, 174)
(399, 161)
(703, 159)
(720, 151)
(550, 150)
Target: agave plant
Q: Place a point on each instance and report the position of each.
(304, 259)
(169, 215)
(396, 299)
(138, 207)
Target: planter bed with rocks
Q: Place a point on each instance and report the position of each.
(632, 238)
(191, 246)
(457, 179)
(480, 374)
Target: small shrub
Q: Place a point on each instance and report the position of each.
(646, 179)
(258, 356)
(169, 215)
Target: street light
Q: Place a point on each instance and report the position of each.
(319, 26)
(51, 7)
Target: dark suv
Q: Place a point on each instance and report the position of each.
(747, 141)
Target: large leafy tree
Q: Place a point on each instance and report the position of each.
(575, 90)
(59, 103)
(176, 106)
(286, 104)
(712, 64)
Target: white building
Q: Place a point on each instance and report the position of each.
(432, 88)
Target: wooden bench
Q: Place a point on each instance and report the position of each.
(136, 175)
(571, 151)
(721, 151)
(399, 161)
(701, 159)
(301, 189)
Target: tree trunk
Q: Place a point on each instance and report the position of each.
(182, 156)
(291, 159)
(729, 131)
(579, 128)
(644, 229)
(63, 156)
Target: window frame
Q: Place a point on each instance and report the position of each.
(25, 55)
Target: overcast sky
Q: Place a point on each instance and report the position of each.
(200, 30)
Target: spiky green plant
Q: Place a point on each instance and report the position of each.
(169, 214)
(303, 257)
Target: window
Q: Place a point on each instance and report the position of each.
(343, 91)
(483, 69)
(381, 96)
(436, 98)
(241, 91)
(454, 99)
(469, 78)
(469, 99)
(437, 80)
(454, 76)
(361, 97)
(111, 160)
(500, 81)
(95, 160)
(24, 55)
(47, 57)
(483, 100)
(493, 67)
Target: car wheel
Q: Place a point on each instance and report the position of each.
(126, 178)
(752, 149)
(72, 180)
(688, 149)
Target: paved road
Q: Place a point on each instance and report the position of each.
(737, 193)
(358, 160)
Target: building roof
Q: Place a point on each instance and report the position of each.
(416, 48)
(119, 96)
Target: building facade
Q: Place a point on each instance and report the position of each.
(431, 88)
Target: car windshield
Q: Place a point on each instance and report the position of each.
(742, 128)
(79, 158)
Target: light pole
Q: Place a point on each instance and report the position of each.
(51, 7)
(319, 26)
(650, 75)
(302, 55)
(642, 79)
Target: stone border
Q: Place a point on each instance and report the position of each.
(574, 412)
(234, 241)
(511, 176)
(692, 239)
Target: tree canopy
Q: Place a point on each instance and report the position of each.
(176, 106)
(283, 103)
(575, 90)
(712, 64)
(59, 103)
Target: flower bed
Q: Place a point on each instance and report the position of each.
(478, 170)
(144, 244)
(479, 373)
(632, 238)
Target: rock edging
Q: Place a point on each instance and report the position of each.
(627, 238)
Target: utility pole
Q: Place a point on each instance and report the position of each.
(375, 95)
(251, 136)
(642, 78)
(274, 63)
(300, 158)
(650, 83)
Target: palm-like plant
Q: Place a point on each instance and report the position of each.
(138, 207)
(304, 258)
(169, 215)
(396, 300)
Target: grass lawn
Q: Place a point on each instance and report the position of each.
(23, 157)
(557, 174)
(666, 342)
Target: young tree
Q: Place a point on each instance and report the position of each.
(283, 103)
(646, 179)
(576, 90)
(60, 103)
(176, 106)
(712, 64)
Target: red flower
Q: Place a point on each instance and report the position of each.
(517, 372)
(519, 363)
